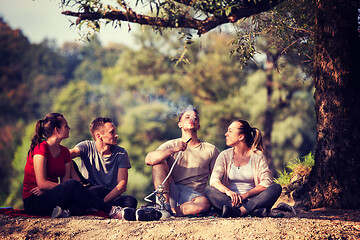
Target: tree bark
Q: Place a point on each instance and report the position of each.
(269, 113)
(334, 180)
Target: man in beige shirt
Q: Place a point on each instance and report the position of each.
(184, 189)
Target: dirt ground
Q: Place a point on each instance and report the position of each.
(315, 224)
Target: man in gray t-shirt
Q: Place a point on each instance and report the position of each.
(104, 164)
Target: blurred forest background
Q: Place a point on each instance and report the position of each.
(143, 90)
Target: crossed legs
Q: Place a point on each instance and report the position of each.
(193, 205)
(265, 199)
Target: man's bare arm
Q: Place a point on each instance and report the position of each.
(75, 152)
(120, 187)
(158, 156)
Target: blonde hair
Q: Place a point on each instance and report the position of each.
(252, 136)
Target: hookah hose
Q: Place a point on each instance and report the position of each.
(160, 188)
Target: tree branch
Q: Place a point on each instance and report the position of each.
(135, 18)
(245, 9)
(249, 8)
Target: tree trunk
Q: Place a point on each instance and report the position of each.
(335, 180)
(269, 113)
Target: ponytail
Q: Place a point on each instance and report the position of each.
(258, 142)
(45, 128)
(252, 136)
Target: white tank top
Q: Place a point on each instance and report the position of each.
(241, 179)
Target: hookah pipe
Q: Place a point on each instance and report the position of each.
(160, 189)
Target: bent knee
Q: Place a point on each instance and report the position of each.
(160, 170)
(277, 188)
(160, 166)
(72, 184)
(202, 203)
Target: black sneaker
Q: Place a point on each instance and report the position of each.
(232, 212)
(129, 214)
(148, 214)
(260, 212)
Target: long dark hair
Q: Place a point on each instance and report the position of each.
(252, 136)
(45, 128)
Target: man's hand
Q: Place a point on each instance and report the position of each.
(181, 146)
(159, 156)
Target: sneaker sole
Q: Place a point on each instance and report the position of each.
(164, 214)
(56, 212)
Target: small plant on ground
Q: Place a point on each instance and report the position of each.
(301, 167)
(284, 177)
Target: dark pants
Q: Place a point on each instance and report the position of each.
(70, 195)
(122, 201)
(265, 199)
(101, 192)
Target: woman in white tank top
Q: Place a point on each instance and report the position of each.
(241, 181)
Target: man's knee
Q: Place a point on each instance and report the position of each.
(161, 167)
(201, 200)
(160, 171)
(129, 201)
(202, 204)
(100, 191)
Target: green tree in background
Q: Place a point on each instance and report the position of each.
(93, 58)
(30, 74)
(15, 197)
(143, 128)
(27, 71)
(80, 103)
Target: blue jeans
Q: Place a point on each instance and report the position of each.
(122, 200)
(70, 195)
(265, 199)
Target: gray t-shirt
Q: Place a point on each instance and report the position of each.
(194, 166)
(98, 169)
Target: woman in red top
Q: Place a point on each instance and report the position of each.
(47, 162)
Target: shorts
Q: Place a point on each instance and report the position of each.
(180, 194)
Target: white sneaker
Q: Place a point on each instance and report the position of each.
(58, 212)
(116, 212)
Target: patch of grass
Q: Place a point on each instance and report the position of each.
(284, 178)
(299, 166)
